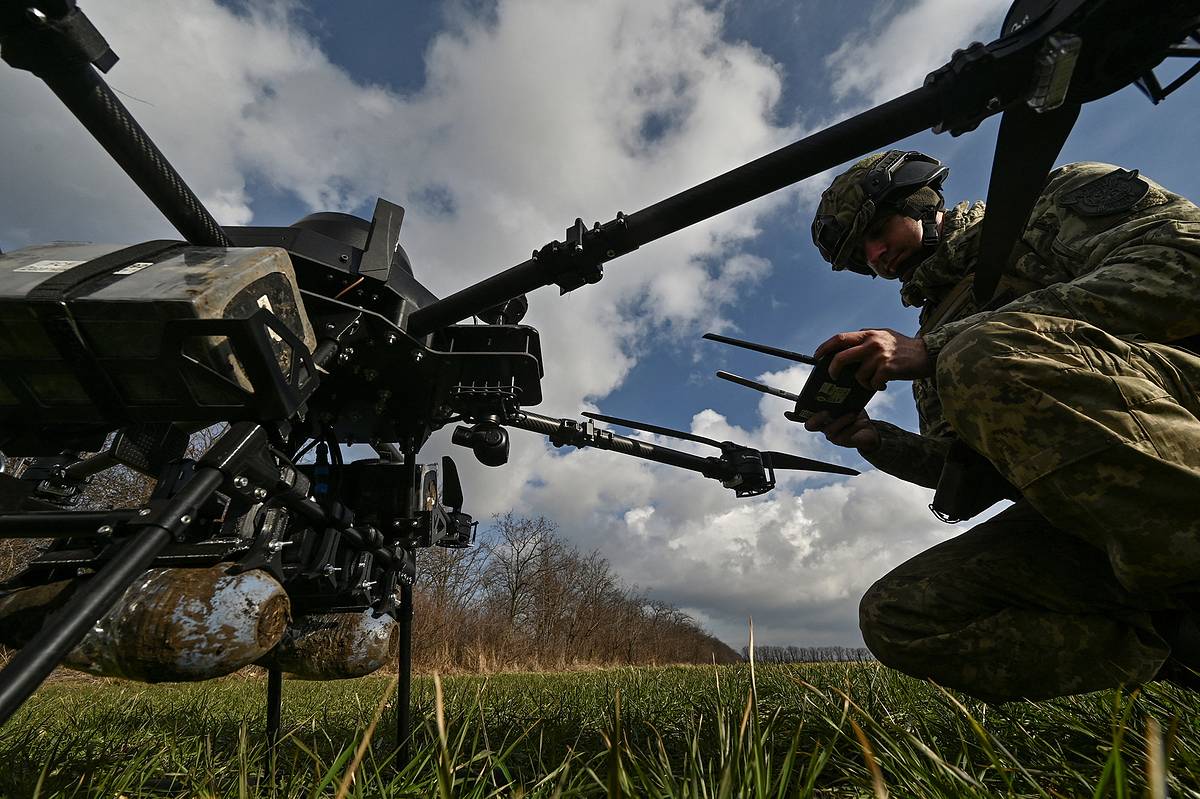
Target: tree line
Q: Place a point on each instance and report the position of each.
(521, 598)
(524, 597)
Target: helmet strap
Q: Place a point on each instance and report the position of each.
(927, 215)
(929, 232)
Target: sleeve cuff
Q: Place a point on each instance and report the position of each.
(911, 457)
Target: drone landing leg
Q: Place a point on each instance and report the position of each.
(274, 705)
(404, 666)
(404, 690)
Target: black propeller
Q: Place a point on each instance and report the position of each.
(783, 460)
(771, 458)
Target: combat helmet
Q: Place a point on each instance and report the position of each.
(897, 181)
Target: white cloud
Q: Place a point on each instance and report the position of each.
(897, 50)
(797, 560)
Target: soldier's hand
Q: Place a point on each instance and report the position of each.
(881, 355)
(851, 430)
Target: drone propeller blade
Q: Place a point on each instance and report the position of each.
(1026, 148)
(763, 348)
(783, 460)
(763, 387)
(651, 428)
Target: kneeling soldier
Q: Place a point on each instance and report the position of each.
(1076, 393)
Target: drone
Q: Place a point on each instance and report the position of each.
(304, 338)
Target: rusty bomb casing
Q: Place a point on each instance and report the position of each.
(170, 625)
(334, 646)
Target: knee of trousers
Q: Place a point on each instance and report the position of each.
(880, 615)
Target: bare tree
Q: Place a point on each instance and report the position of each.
(529, 599)
(516, 562)
(448, 597)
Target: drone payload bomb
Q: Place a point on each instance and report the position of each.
(335, 646)
(170, 625)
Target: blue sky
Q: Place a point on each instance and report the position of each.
(496, 124)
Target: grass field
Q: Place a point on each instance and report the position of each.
(782, 731)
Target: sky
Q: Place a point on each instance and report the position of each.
(495, 123)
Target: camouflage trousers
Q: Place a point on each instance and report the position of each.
(1065, 591)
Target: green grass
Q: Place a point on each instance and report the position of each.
(812, 730)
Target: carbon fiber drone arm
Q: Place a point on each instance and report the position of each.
(584, 433)
(578, 260)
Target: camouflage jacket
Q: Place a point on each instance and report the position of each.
(1102, 245)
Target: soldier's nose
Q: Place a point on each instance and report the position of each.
(873, 250)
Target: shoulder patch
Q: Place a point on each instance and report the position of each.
(1114, 193)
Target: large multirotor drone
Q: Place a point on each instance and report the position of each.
(319, 334)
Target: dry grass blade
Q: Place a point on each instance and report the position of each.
(717, 675)
(352, 769)
(1156, 760)
(745, 720)
(243, 761)
(562, 780)
(753, 681)
(445, 773)
(877, 783)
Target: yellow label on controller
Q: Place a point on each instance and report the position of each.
(832, 393)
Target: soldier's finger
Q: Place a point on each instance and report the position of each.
(836, 426)
(839, 341)
(826, 346)
(846, 435)
(870, 371)
(879, 380)
(845, 358)
(817, 421)
(841, 439)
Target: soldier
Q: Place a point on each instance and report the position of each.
(1077, 387)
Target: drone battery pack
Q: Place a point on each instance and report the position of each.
(822, 393)
(133, 340)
